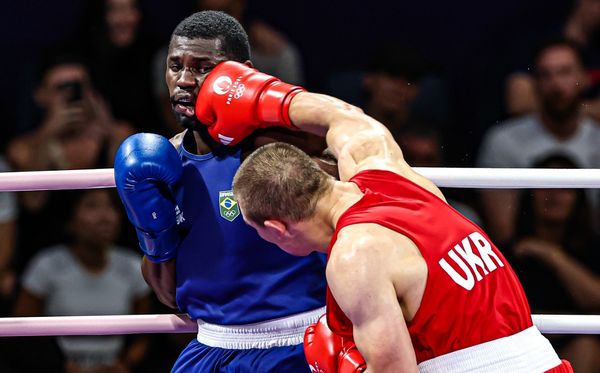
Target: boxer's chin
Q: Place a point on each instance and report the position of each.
(187, 122)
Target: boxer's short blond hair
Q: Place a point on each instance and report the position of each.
(279, 181)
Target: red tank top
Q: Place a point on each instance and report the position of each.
(471, 296)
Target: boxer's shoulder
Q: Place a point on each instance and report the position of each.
(371, 245)
(355, 245)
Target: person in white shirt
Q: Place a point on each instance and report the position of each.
(558, 126)
(88, 275)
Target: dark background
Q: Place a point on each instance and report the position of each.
(471, 44)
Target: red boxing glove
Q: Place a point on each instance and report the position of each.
(235, 99)
(350, 360)
(322, 347)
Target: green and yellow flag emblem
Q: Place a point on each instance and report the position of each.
(228, 206)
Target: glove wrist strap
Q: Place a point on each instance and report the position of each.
(161, 247)
(273, 108)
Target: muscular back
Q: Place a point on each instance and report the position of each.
(467, 278)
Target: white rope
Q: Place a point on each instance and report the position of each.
(95, 325)
(512, 178)
(54, 180)
(492, 178)
(567, 324)
(143, 324)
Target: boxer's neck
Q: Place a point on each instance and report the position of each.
(202, 142)
(340, 198)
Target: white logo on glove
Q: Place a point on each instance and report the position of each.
(222, 84)
(239, 92)
(225, 140)
(178, 215)
(316, 368)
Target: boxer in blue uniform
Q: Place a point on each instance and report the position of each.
(251, 300)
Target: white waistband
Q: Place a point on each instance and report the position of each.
(285, 331)
(527, 351)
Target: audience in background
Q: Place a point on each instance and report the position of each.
(120, 52)
(90, 105)
(393, 82)
(395, 87)
(88, 275)
(422, 147)
(78, 131)
(582, 28)
(558, 125)
(556, 255)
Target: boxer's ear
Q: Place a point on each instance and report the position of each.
(276, 227)
(248, 63)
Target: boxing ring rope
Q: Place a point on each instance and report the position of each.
(56, 180)
(493, 178)
(451, 177)
(143, 324)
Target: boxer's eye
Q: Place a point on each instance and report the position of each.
(174, 67)
(205, 69)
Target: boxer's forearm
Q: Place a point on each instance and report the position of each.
(355, 139)
(316, 113)
(330, 117)
(161, 278)
(386, 347)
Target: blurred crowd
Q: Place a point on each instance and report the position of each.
(73, 253)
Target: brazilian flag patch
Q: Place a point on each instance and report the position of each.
(228, 206)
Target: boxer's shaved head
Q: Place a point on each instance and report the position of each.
(279, 181)
(217, 25)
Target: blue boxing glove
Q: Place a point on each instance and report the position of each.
(147, 170)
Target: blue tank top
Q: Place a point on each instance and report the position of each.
(226, 274)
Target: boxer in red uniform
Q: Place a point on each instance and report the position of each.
(414, 284)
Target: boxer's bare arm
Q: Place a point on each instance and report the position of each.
(362, 274)
(358, 141)
(161, 278)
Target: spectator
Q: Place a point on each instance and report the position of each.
(120, 55)
(391, 83)
(422, 147)
(582, 28)
(559, 125)
(88, 275)
(555, 255)
(394, 88)
(77, 131)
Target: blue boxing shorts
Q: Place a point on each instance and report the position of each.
(197, 357)
(271, 346)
